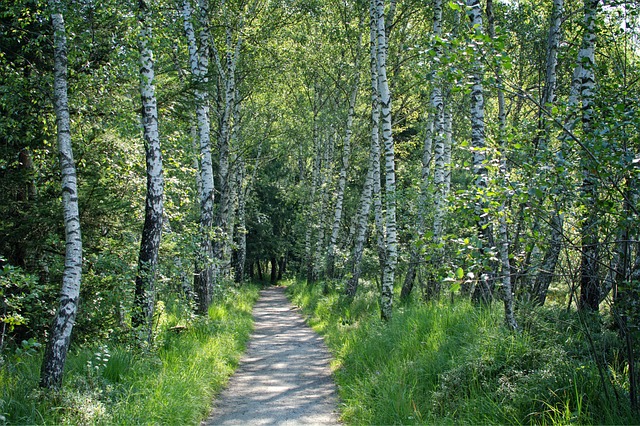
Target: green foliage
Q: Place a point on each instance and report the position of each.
(453, 363)
(114, 383)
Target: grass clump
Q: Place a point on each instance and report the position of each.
(452, 363)
(172, 383)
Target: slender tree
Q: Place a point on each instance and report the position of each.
(503, 237)
(152, 229)
(550, 260)
(374, 162)
(589, 262)
(483, 291)
(344, 167)
(58, 344)
(206, 271)
(391, 252)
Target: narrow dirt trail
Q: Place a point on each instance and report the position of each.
(284, 376)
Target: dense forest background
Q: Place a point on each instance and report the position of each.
(414, 154)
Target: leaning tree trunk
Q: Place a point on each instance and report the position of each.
(391, 253)
(342, 180)
(483, 291)
(58, 345)
(374, 159)
(152, 229)
(205, 271)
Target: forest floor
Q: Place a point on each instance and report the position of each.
(284, 377)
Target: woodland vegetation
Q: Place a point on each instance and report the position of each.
(450, 187)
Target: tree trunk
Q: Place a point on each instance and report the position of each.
(228, 114)
(391, 253)
(274, 269)
(312, 211)
(550, 260)
(205, 272)
(152, 229)
(241, 231)
(503, 237)
(324, 200)
(484, 288)
(374, 161)
(589, 263)
(58, 345)
(342, 180)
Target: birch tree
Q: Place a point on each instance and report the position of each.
(206, 270)
(58, 345)
(391, 253)
(152, 228)
(503, 237)
(550, 260)
(589, 263)
(227, 73)
(483, 289)
(344, 167)
(374, 162)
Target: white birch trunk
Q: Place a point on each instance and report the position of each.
(547, 269)
(589, 264)
(311, 212)
(58, 344)
(374, 161)
(205, 273)
(222, 244)
(483, 290)
(152, 230)
(503, 236)
(241, 230)
(448, 141)
(386, 299)
(324, 201)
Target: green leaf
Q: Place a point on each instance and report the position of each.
(459, 273)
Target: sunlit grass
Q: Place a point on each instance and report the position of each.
(114, 384)
(454, 363)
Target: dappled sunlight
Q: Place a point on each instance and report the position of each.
(284, 377)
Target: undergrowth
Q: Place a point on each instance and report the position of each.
(115, 383)
(454, 363)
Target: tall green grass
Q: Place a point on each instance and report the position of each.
(171, 384)
(454, 363)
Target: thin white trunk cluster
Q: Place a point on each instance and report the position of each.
(227, 126)
(362, 218)
(342, 179)
(152, 230)
(58, 344)
(323, 203)
(205, 273)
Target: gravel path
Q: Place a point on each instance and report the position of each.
(284, 376)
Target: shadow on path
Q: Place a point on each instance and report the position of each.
(284, 376)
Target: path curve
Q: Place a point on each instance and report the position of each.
(283, 377)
